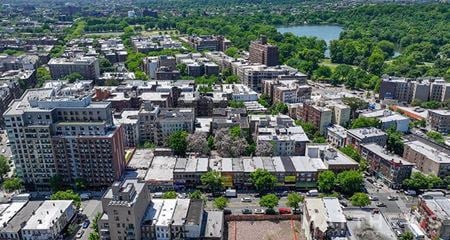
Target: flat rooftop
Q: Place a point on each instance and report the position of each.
(161, 169)
(141, 159)
(14, 224)
(362, 133)
(48, 213)
(429, 151)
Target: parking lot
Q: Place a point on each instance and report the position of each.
(265, 230)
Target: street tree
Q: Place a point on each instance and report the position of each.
(263, 180)
(326, 181)
(350, 181)
(178, 143)
(294, 199)
(197, 142)
(213, 181)
(406, 236)
(269, 201)
(419, 181)
(170, 195)
(67, 195)
(4, 166)
(12, 184)
(394, 141)
(221, 202)
(197, 195)
(364, 122)
(360, 200)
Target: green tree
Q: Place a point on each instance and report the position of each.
(436, 137)
(279, 108)
(67, 195)
(394, 141)
(231, 79)
(349, 181)
(364, 122)
(178, 143)
(73, 77)
(170, 195)
(419, 181)
(236, 104)
(213, 181)
(326, 181)
(197, 194)
(294, 199)
(42, 75)
(269, 201)
(4, 166)
(355, 104)
(220, 202)
(322, 73)
(406, 236)
(308, 128)
(351, 152)
(265, 100)
(140, 75)
(94, 236)
(263, 180)
(12, 184)
(232, 52)
(360, 200)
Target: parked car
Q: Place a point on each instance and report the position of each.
(392, 198)
(246, 211)
(158, 195)
(258, 211)
(312, 193)
(410, 193)
(373, 198)
(86, 223)
(381, 204)
(271, 211)
(284, 210)
(80, 234)
(297, 211)
(343, 203)
(246, 199)
(226, 211)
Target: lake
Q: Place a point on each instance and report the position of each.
(325, 32)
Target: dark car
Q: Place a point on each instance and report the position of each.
(227, 211)
(86, 223)
(381, 204)
(246, 211)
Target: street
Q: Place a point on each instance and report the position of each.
(90, 208)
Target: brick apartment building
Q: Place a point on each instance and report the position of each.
(262, 52)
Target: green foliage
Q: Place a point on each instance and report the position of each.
(265, 100)
(326, 181)
(419, 181)
(394, 141)
(12, 184)
(140, 75)
(231, 79)
(319, 139)
(308, 127)
(67, 195)
(148, 145)
(322, 73)
(406, 236)
(236, 104)
(42, 75)
(349, 182)
(437, 137)
(169, 195)
(221, 202)
(351, 152)
(232, 52)
(279, 108)
(211, 142)
(4, 166)
(235, 132)
(213, 181)
(94, 236)
(360, 200)
(355, 104)
(269, 201)
(73, 77)
(178, 143)
(207, 80)
(197, 194)
(263, 180)
(294, 199)
(364, 122)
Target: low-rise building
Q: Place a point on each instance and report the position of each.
(49, 220)
(427, 158)
(88, 67)
(323, 218)
(439, 120)
(188, 171)
(337, 135)
(390, 168)
(240, 92)
(14, 215)
(433, 215)
(358, 136)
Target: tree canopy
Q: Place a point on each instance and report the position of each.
(263, 180)
(269, 201)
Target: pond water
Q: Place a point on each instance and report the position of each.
(325, 32)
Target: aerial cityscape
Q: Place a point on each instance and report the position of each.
(224, 119)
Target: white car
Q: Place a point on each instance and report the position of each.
(80, 234)
(246, 199)
(3, 150)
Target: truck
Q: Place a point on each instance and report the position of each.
(230, 193)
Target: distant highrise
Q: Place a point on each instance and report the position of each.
(264, 53)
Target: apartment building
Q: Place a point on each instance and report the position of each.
(157, 124)
(14, 215)
(292, 90)
(113, 49)
(358, 136)
(209, 43)
(433, 215)
(253, 75)
(124, 206)
(262, 52)
(229, 117)
(407, 90)
(323, 218)
(9, 90)
(88, 67)
(54, 131)
(319, 116)
(427, 158)
(439, 120)
(390, 168)
(239, 92)
(340, 113)
(337, 135)
(49, 220)
(128, 119)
